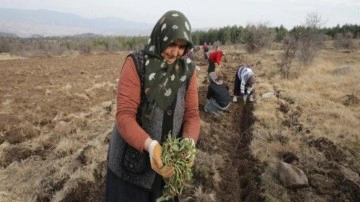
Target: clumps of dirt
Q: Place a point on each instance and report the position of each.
(278, 138)
(351, 100)
(293, 121)
(206, 169)
(80, 178)
(15, 130)
(284, 107)
(14, 153)
(48, 187)
(328, 177)
(83, 189)
(78, 187)
(85, 155)
(18, 152)
(291, 113)
(289, 157)
(282, 96)
(331, 151)
(331, 184)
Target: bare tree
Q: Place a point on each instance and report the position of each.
(310, 38)
(290, 46)
(313, 21)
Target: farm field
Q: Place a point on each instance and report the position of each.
(57, 113)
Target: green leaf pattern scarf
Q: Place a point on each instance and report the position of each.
(162, 80)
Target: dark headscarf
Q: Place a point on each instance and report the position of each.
(162, 80)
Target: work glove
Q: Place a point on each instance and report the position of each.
(192, 151)
(251, 98)
(235, 98)
(155, 152)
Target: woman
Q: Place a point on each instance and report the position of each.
(218, 97)
(206, 51)
(215, 60)
(157, 95)
(244, 83)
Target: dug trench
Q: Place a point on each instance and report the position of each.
(229, 135)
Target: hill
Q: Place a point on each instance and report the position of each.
(25, 23)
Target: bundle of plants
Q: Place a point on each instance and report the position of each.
(178, 153)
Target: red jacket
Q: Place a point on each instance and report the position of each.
(216, 56)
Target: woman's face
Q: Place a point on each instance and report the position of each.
(174, 51)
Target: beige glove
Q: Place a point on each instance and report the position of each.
(234, 98)
(155, 152)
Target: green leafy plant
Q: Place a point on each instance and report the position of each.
(178, 153)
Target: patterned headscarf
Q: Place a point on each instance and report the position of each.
(162, 80)
(214, 77)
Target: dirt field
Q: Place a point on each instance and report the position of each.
(57, 113)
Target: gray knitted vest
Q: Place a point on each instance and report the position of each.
(128, 163)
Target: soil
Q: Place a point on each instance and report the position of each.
(73, 95)
(240, 172)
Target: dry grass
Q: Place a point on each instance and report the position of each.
(54, 132)
(56, 116)
(7, 56)
(306, 108)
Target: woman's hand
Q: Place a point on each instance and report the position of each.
(155, 152)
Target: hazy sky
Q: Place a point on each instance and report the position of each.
(206, 13)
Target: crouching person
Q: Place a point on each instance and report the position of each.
(218, 97)
(244, 83)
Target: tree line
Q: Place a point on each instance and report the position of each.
(254, 36)
(300, 44)
(239, 34)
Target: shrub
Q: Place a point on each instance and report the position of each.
(258, 37)
(289, 46)
(85, 47)
(344, 40)
(4, 45)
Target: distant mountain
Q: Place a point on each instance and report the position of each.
(6, 34)
(25, 23)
